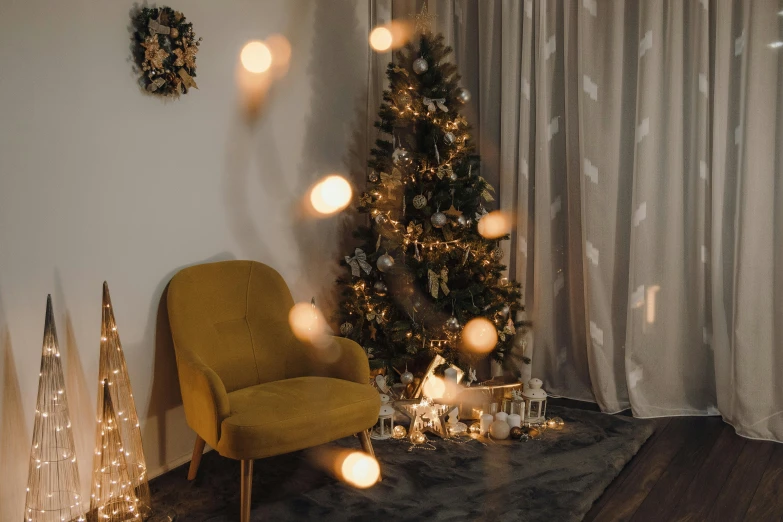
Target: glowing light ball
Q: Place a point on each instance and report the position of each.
(280, 50)
(434, 387)
(479, 336)
(256, 57)
(381, 39)
(331, 195)
(360, 470)
(495, 224)
(307, 323)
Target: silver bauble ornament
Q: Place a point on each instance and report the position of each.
(449, 138)
(401, 157)
(419, 201)
(406, 378)
(373, 177)
(453, 176)
(381, 219)
(385, 262)
(439, 219)
(346, 328)
(452, 324)
(497, 254)
(464, 95)
(420, 66)
(462, 220)
(505, 310)
(380, 288)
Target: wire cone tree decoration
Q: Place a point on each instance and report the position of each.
(114, 497)
(53, 479)
(113, 371)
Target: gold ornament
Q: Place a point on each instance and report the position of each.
(153, 53)
(420, 201)
(190, 54)
(424, 21)
(418, 437)
(415, 229)
(174, 32)
(180, 61)
(392, 181)
(187, 80)
(399, 432)
(437, 281)
(453, 212)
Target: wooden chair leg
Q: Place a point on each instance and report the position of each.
(366, 442)
(246, 485)
(198, 450)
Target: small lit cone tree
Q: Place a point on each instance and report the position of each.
(53, 480)
(423, 270)
(113, 371)
(114, 497)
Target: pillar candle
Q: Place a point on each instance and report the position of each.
(450, 374)
(486, 420)
(514, 421)
(501, 416)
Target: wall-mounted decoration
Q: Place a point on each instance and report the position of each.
(165, 48)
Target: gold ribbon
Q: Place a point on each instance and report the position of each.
(156, 84)
(392, 181)
(437, 282)
(432, 102)
(415, 229)
(187, 79)
(156, 27)
(358, 260)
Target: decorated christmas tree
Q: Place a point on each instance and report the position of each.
(53, 480)
(121, 419)
(423, 270)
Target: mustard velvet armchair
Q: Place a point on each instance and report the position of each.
(251, 389)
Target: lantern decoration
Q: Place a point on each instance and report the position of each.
(385, 427)
(535, 402)
(53, 479)
(115, 382)
(114, 496)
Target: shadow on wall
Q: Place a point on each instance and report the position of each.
(165, 395)
(337, 67)
(14, 438)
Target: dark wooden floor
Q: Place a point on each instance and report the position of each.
(694, 469)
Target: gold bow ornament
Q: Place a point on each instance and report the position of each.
(438, 282)
(415, 230)
(507, 330)
(432, 102)
(392, 181)
(358, 260)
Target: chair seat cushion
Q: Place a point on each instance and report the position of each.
(292, 414)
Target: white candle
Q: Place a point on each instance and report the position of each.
(450, 374)
(514, 421)
(501, 416)
(486, 420)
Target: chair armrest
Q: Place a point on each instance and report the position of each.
(203, 396)
(352, 365)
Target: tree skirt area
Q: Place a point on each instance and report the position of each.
(555, 477)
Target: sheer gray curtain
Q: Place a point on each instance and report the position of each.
(639, 146)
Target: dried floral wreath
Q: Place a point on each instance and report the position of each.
(165, 50)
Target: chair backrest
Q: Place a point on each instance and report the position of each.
(233, 316)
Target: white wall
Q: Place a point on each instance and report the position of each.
(100, 181)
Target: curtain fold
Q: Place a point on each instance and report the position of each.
(639, 146)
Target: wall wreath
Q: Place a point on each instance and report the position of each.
(165, 50)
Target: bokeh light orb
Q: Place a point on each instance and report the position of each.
(307, 322)
(360, 470)
(256, 57)
(479, 336)
(494, 225)
(381, 39)
(434, 387)
(331, 194)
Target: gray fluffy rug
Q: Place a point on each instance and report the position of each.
(554, 478)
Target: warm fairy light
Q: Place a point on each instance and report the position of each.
(494, 225)
(308, 323)
(280, 48)
(360, 470)
(434, 387)
(479, 336)
(381, 39)
(330, 195)
(256, 57)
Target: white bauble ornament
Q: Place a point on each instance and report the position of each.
(401, 157)
(406, 378)
(462, 220)
(449, 138)
(439, 219)
(452, 324)
(464, 95)
(420, 66)
(499, 430)
(385, 262)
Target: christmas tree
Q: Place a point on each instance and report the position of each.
(115, 383)
(423, 270)
(53, 481)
